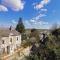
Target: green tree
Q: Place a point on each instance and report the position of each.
(35, 33)
(43, 51)
(20, 26)
(56, 37)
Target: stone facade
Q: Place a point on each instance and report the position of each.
(9, 41)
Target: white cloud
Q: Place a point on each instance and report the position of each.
(14, 22)
(43, 9)
(39, 16)
(41, 4)
(45, 2)
(15, 5)
(40, 22)
(36, 24)
(32, 20)
(3, 8)
(38, 6)
(28, 24)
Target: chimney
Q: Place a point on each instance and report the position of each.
(10, 28)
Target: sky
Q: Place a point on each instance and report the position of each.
(39, 14)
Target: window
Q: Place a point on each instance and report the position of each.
(2, 41)
(10, 39)
(17, 38)
(11, 48)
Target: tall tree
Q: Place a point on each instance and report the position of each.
(55, 30)
(20, 26)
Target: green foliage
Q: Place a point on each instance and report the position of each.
(56, 32)
(34, 33)
(48, 51)
(20, 27)
(55, 39)
(24, 37)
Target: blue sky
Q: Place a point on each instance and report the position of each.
(35, 13)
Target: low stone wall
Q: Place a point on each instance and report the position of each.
(22, 53)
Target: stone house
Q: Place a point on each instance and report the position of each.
(9, 41)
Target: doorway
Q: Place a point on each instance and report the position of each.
(8, 49)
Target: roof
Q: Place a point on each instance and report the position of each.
(7, 32)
